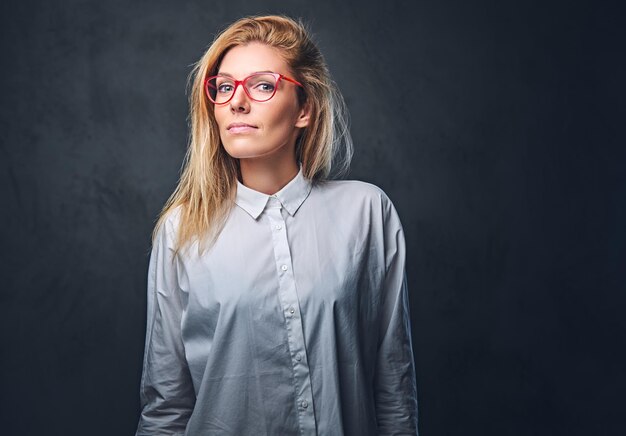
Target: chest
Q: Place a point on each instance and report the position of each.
(326, 258)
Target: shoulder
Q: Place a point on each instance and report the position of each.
(357, 188)
(354, 191)
(167, 226)
(172, 218)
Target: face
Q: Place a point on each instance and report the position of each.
(251, 129)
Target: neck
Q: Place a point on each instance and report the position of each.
(267, 175)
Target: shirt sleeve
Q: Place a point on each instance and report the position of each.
(166, 393)
(394, 381)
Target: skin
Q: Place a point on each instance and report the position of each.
(266, 151)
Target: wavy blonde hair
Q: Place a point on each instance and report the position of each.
(208, 184)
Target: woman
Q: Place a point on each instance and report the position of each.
(277, 300)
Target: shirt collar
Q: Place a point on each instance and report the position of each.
(291, 196)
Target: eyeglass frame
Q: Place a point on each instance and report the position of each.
(277, 76)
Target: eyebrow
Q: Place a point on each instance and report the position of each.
(256, 72)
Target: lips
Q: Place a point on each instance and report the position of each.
(240, 127)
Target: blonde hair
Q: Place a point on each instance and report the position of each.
(208, 183)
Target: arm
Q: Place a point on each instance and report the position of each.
(167, 395)
(394, 381)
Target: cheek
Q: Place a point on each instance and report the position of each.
(219, 115)
(281, 116)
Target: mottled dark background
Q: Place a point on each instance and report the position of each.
(496, 127)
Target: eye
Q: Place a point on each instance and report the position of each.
(225, 87)
(264, 87)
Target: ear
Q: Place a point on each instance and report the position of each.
(304, 116)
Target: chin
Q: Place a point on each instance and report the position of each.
(241, 151)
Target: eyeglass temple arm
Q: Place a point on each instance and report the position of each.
(295, 82)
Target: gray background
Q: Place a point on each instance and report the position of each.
(493, 126)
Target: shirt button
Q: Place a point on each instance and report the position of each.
(292, 310)
(298, 357)
(305, 404)
(284, 267)
(278, 227)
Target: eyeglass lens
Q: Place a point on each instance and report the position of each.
(260, 87)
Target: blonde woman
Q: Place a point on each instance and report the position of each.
(277, 299)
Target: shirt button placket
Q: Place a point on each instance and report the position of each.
(289, 301)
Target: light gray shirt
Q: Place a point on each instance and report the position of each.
(296, 322)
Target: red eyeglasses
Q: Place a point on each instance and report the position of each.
(257, 86)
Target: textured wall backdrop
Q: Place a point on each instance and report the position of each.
(493, 126)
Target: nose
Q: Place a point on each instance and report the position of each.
(240, 101)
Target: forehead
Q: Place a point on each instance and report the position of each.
(243, 60)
